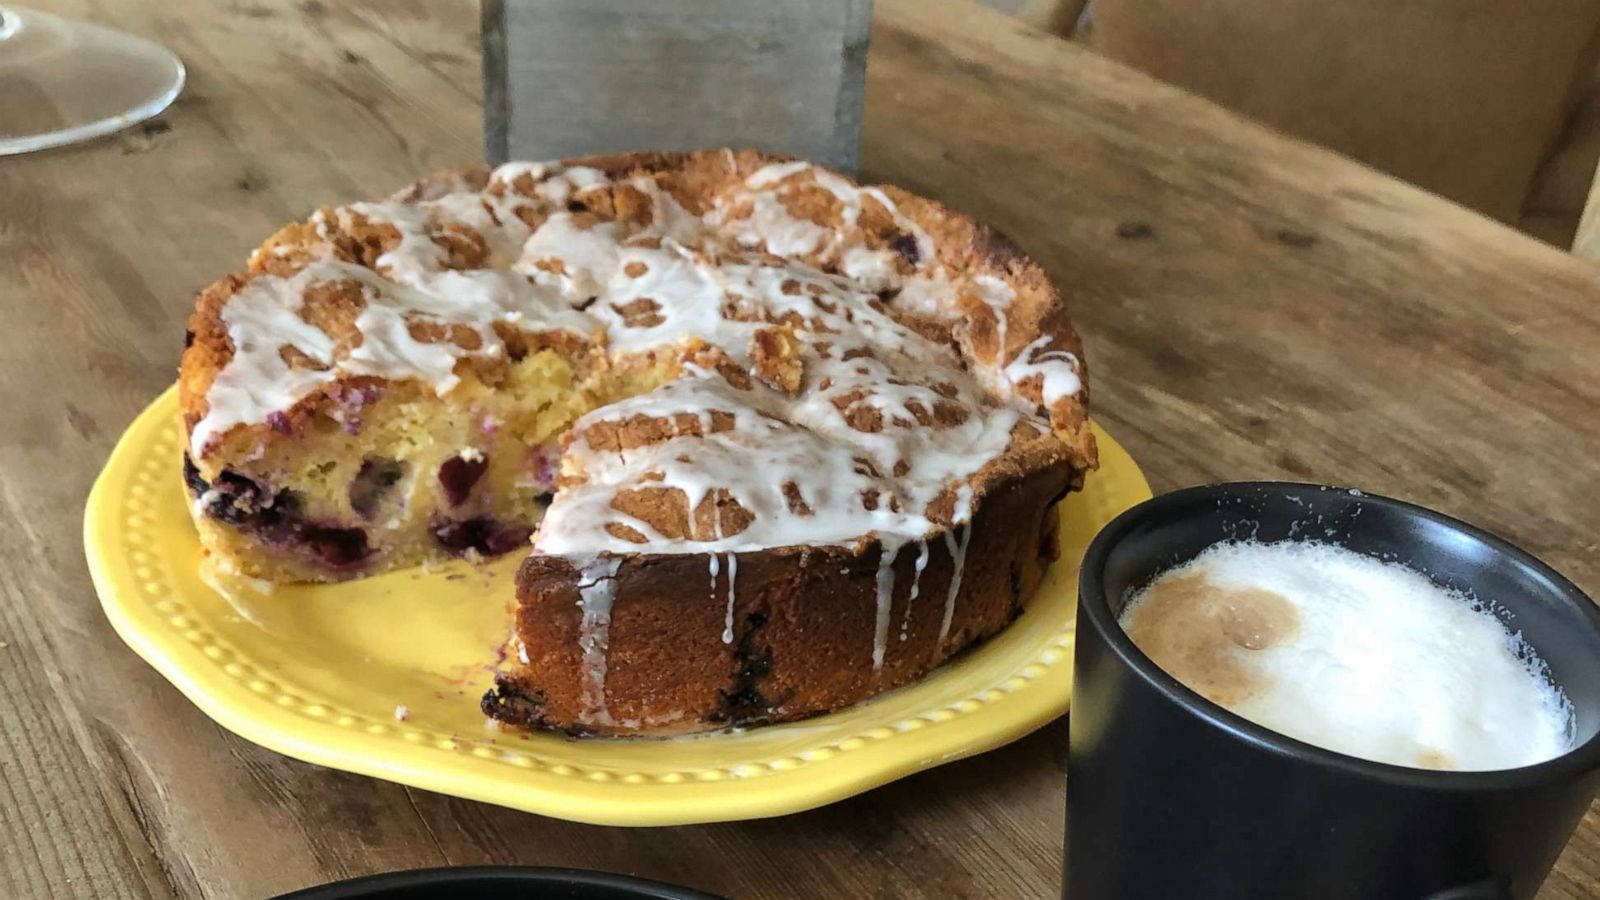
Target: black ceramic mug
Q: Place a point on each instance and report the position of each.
(1172, 796)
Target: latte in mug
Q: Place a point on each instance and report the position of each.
(1352, 654)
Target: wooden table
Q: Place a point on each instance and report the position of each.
(1254, 308)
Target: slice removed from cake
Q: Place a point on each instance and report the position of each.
(804, 438)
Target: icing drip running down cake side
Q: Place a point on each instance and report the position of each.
(780, 441)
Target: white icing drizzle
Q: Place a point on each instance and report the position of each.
(774, 173)
(806, 444)
(772, 227)
(264, 317)
(958, 556)
(1057, 371)
(957, 547)
(410, 284)
(256, 382)
(597, 589)
(916, 587)
(997, 295)
(733, 578)
(885, 602)
(927, 294)
(885, 423)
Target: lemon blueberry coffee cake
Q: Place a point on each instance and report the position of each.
(780, 441)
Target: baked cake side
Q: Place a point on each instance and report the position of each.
(695, 642)
(804, 438)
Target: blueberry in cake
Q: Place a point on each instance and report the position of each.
(780, 441)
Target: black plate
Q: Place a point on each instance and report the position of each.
(498, 883)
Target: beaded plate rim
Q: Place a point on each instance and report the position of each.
(233, 685)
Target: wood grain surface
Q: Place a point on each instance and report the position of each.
(1254, 308)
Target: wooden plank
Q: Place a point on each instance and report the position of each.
(570, 77)
(1253, 307)
(49, 788)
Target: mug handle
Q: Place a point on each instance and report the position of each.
(1492, 888)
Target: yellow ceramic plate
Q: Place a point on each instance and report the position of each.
(317, 672)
